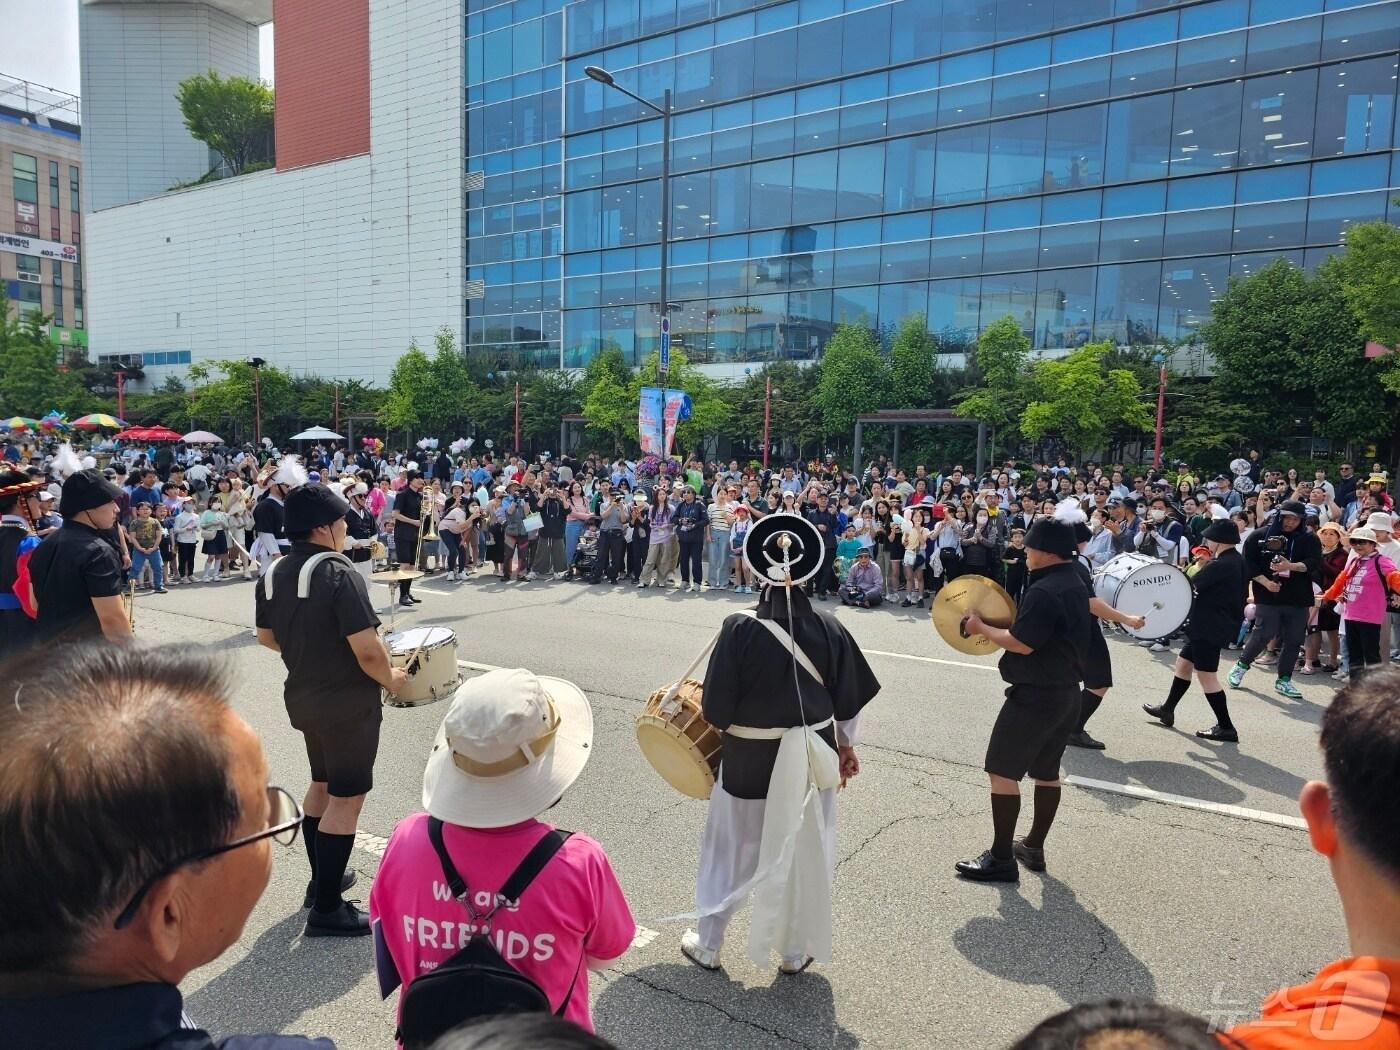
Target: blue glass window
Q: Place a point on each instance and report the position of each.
(1085, 43)
(1064, 308)
(1205, 191)
(1009, 295)
(1215, 17)
(1075, 12)
(1011, 250)
(860, 180)
(1144, 70)
(1209, 58)
(1071, 245)
(968, 23)
(1285, 45)
(961, 165)
(898, 301)
(1135, 238)
(1139, 137)
(1347, 176)
(1278, 118)
(1272, 184)
(1206, 128)
(915, 29)
(1074, 145)
(1145, 31)
(1083, 81)
(866, 40)
(1073, 207)
(953, 308)
(814, 188)
(1016, 161)
(1329, 218)
(1270, 226)
(729, 210)
(1188, 289)
(1360, 32)
(1134, 200)
(772, 193)
(909, 167)
(1125, 307)
(1355, 107)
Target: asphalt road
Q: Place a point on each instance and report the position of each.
(1209, 900)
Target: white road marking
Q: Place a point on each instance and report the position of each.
(1219, 808)
(469, 665)
(930, 659)
(644, 937)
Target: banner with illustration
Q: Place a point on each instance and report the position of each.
(651, 412)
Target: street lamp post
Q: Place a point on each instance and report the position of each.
(517, 419)
(256, 363)
(605, 78)
(767, 415)
(119, 375)
(1161, 410)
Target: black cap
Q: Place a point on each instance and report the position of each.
(1052, 537)
(1222, 531)
(1081, 533)
(311, 506)
(86, 490)
(1292, 506)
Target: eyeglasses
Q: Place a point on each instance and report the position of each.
(284, 818)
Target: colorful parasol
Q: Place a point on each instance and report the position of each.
(98, 421)
(19, 423)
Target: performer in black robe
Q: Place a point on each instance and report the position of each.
(360, 530)
(771, 827)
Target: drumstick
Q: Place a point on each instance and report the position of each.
(411, 666)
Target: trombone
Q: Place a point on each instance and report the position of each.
(429, 534)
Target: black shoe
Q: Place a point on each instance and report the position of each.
(345, 921)
(415, 601)
(1162, 713)
(988, 868)
(349, 879)
(1032, 858)
(1227, 736)
(1080, 738)
(905, 604)
(407, 603)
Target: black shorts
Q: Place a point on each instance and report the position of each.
(405, 543)
(1032, 730)
(1201, 655)
(342, 756)
(1098, 669)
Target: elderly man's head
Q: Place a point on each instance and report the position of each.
(123, 769)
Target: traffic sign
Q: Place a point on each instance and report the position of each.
(665, 345)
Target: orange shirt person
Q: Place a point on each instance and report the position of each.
(1354, 823)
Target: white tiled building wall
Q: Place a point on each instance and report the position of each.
(329, 269)
(134, 56)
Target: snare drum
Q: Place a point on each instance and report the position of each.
(678, 742)
(1143, 586)
(432, 673)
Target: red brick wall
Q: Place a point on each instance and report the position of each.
(321, 74)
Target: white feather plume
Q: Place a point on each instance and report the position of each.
(290, 473)
(66, 462)
(1070, 512)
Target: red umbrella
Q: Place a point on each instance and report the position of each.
(159, 433)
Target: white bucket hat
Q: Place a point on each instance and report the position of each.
(510, 745)
(1380, 521)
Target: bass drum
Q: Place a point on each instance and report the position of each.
(1143, 586)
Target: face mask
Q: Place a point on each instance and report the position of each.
(981, 519)
(1096, 525)
(1159, 515)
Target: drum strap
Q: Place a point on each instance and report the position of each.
(783, 638)
(304, 578)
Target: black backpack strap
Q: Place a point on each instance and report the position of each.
(454, 880)
(534, 863)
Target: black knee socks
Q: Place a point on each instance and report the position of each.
(1005, 810)
(308, 834)
(404, 587)
(1178, 690)
(1088, 704)
(1047, 803)
(1221, 707)
(332, 856)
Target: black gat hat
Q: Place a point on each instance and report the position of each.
(311, 506)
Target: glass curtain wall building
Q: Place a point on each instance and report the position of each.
(1097, 169)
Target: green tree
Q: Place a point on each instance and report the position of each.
(316, 399)
(1076, 399)
(30, 382)
(796, 419)
(1354, 397)
(409, 384)
(1000, 358)
(611, 409)
(225, 392)
(443, 403)
(854, 378)
(1369, 271)
(548, 396)
(912, 365)
(169, 401)
(233, 117)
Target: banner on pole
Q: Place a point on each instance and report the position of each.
(677, 411)
(649, 414)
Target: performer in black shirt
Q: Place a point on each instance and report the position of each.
(1216, 615)
(314, 609)
(408, 519)
(270, 542)
(76, 573)
(761, 694)
(360, 530)
(1046, 650)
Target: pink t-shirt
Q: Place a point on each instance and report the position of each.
(1364, 596)
(573, 912)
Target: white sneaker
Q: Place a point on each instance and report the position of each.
(1160, 647)
(531, 576)
(704, 958)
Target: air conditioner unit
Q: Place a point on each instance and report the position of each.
(32, 278)
(474, 290)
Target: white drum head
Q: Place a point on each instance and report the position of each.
(403, 643)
